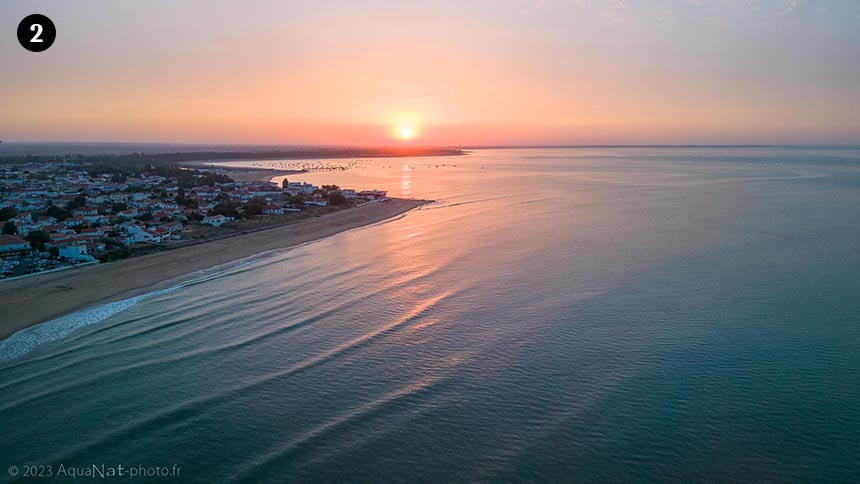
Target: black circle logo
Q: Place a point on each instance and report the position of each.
(36, 32)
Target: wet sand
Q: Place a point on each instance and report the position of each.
(32, 300)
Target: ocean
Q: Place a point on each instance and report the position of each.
(589, 315)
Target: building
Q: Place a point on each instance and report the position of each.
(75, 253)
(273, 209)
(11, 243)
(301, 187)
(373, 195)
(216, 220)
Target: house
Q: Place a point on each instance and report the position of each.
(96, 246)
(93, 232)
(273, 209)
(216, 220)
(11, 243)
(303, 187)
(94, 219)
(373, 195)
(75, 221)
(75, 253)
(174, 228)
(60, 238)
(85, 211)
(148, 236)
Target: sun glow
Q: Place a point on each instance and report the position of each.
(404, 127)
(406, 132)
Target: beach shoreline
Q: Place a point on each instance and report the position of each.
(48, 296)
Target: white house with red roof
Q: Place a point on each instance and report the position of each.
(273, 209)
(12, 243)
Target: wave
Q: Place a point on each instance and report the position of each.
(28, 339)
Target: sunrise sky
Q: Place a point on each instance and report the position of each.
(436, 72)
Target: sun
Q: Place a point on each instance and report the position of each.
(404, 127)
(405, 132)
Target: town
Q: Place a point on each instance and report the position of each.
(63, 212)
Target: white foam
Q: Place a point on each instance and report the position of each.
(26, 340)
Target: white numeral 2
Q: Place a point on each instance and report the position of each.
(38, 29)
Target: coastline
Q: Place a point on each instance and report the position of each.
(49, 296)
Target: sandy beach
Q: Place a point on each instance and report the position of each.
(32, 300)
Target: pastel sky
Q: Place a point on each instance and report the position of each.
(457, 72)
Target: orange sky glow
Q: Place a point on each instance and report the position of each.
(511, 72)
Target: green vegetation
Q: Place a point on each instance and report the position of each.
(295, 200)
(227, 208)
(38, 238)
(58, 213)
(114, 255)
(7, 212)
(78, 202)
(336, 198)
(254, 206)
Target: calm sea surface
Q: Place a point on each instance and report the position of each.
(559, 315)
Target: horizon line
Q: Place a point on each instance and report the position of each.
(418, 146)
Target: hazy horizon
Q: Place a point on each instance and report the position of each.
(286, 146)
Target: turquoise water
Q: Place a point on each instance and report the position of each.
(558, 315)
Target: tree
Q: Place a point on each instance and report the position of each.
(227, 208)
(78, 202)
(182, 200)
(38, 238)
(336, 198)
(7, 212)
(330, 188)
(254, 206)
(9, 228)
(58, 213)
(285, 183)
(295, 200)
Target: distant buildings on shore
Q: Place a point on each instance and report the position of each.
(72, 212)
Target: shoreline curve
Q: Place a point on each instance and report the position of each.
(31, 301)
